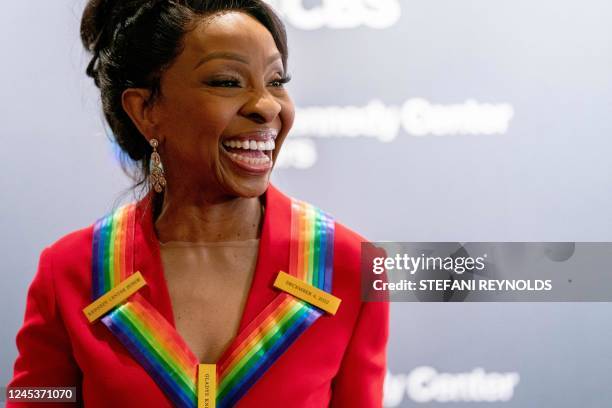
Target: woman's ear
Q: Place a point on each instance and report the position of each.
(135, 103)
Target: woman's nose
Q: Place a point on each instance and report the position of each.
(262, 107)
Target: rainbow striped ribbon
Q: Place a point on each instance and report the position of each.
(158, 347)
(154, 343)
(272, 332)
(312, 239)
(112, 263)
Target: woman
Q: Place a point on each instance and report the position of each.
(194, 93)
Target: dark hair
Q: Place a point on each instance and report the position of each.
(133, 41)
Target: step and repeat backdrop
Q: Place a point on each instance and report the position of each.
(416, 120)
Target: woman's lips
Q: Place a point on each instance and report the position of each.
(254, 157)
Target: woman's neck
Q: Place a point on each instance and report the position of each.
(194, 218)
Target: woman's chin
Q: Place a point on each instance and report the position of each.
(246, 179)
(250, 187)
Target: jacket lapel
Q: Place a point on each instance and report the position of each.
(271, 320)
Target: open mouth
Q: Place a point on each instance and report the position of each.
(250, 154)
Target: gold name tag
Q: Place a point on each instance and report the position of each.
(306, 292)
(113, 297)
(207, 386)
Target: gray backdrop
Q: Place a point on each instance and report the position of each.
(428, 120)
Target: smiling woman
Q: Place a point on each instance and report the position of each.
(225, 88)
(194, 94)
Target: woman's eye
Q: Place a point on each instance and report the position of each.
(280, 82)
(235, 83)
(224, 83)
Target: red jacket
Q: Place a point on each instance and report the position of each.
(340, 361)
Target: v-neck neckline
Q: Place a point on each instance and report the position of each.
(272, 256)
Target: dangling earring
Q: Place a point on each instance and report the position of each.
(156, 170)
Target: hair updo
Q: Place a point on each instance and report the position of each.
(133, 41)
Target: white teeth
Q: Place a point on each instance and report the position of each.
(250, 160)
(250, 144)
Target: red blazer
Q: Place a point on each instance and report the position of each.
(340, 361)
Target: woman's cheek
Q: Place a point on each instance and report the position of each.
(216, 115)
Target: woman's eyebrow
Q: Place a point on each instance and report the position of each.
(234, 57)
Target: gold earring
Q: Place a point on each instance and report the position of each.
(156, 170)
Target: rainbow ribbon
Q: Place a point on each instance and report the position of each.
(267, 337)
(113, 257)
(162, 352)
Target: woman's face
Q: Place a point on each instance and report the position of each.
(223, 112)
